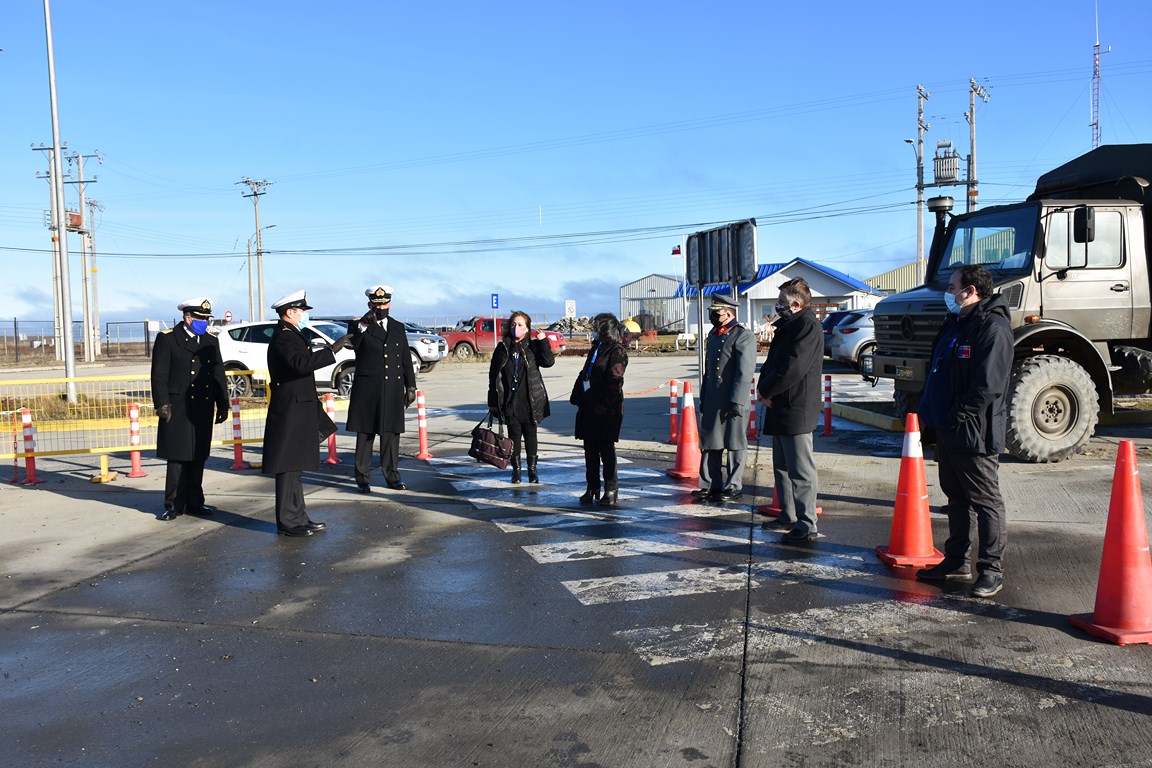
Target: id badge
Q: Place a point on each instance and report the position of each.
(586, 385)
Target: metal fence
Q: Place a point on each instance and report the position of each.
(91, 415)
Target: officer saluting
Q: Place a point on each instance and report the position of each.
(188, 388)
(296, 420)
(384, 386)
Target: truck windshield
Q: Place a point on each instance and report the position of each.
(1000, 240)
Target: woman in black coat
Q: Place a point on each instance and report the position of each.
(598, 395)
(516, 393)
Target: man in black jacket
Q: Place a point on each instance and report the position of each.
(296, 421)
(188, 388)
(384, 386)
(789, 388)
(962, 409)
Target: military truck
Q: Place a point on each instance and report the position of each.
(1073, 262)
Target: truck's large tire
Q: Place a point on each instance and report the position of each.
(1135, 374)
(905, 403)
(464, 351)
(1053, 409)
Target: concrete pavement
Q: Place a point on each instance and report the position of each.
(466, 622)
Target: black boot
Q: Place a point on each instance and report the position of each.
(611, 498)
(516, 468)
(532, 476)
(591, 495)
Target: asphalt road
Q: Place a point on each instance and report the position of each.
(466, 622)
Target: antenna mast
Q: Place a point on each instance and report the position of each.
(1096, 84)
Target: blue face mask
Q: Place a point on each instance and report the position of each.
(305, 321)
(951, 303)
(198, 327)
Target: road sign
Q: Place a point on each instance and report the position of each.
(570, 308)
(723, 255)
(228, 316)
(495, 301)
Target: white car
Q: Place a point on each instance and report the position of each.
(244, 347)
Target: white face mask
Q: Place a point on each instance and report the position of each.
(304, 321)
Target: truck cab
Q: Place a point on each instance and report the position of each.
(1072, 263)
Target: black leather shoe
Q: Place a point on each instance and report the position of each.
(398, 486)
(944, 572)
(794, 536)
(776, 526)
(701, 493)
(363, 488)
(168, 514)
(314, 526)
(728, 494)
(204, 511)
(987, 585)
(299, 530)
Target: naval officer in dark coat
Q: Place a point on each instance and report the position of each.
(384, 386)
(190, 393)
(296, 419)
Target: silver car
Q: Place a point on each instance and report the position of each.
(853, 339)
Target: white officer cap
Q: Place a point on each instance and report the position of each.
(297, 300)
(198, 307)
(379, 294)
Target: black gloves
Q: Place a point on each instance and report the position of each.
(730, 411)
(222, 414)
(341, 342)
(164, 412)
(409, 396)
(368, 318)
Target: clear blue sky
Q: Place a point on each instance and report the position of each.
(542, 151)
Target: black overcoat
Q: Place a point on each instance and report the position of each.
(292, 430)
(790, 375)
(187, 374)
(383, 372)
(600, 408)
(536, 354)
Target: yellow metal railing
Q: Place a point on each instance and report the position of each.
(90, 415)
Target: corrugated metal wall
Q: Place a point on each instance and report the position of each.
(895, 280)
(652, 302)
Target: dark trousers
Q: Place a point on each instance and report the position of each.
(290, 511)
(972, 485)
(595, 454)
(796, 481)
(184, 486)
(723, 469)
(389, 456)
(526, 432)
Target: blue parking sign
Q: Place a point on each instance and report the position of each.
(495, 301)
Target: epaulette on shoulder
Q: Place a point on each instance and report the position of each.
(166, 330)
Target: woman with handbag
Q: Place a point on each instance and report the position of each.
(598, 395)
(516, 393)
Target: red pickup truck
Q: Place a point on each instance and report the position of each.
(480, 334)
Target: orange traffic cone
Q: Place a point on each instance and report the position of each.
(773, 509)
(1123, 611)
(688, 441)
(910, 542)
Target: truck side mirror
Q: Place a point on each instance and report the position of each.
(1084, 225)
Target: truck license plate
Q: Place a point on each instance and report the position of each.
(903, 373)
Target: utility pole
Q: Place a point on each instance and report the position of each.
(921, 126)
(82, 230)
(53, 217)
(94, 206)
(60, 231)
(257, 187)
(973, 91)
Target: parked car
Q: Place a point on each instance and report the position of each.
(480, 334)
(426, 346)
(853, 339)
(831, 320)
(244, 347)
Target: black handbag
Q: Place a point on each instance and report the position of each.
(491, 447)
